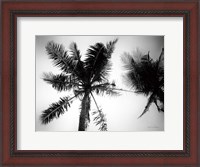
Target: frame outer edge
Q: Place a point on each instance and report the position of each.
(7, 79)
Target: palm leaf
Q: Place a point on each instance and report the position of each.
(106, 88)
(128, 61)
(100, 119)
(101, 76)
(150, 101)
(141, 75)
(74, 50)
(57, 54)
(97, 61)
(161, 68)
(60, 82)
(60, 57)
(145, 76)
(55, 110)
(110, 46)
(161, 59)
(79, 64)
(160, 94)
(69, 64)
(132, 78)
(96, 56)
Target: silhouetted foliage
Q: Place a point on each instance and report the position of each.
(146, 76)
(82, 77)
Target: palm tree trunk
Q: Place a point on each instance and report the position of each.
(84, 116)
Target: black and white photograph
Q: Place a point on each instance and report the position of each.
(99, 83)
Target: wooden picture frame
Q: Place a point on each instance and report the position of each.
(12, 10)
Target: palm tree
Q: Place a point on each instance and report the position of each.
(82, 78)
(146, 77)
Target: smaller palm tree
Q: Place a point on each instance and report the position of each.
(82, 76)
(146, 77)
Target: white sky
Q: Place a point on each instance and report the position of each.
(122, 111)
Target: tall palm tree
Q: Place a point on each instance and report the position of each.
(146, 77)
(82, 76)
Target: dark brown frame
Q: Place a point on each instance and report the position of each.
(12, 10)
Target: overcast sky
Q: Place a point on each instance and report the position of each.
(122, 111)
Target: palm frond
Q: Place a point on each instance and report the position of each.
(110, 46)
(100, 119)
(61, 82)
(142, 75)
(160, 94)
(159, 107)
(150, 101)
(161, 58)
(128, 61)
(55, 110)
(79, 70)
(101, 76)
(146, 58)
(96, 55)
(79, 67)
(123, 90)
(134, 81)
(69, 64)
(160, 65)
(106, 88)
(97, 61)
(57, 53)
(131, 78)
(74, 50)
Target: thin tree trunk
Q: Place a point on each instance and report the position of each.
(84, 116)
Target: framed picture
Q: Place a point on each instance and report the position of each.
(100, 83)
